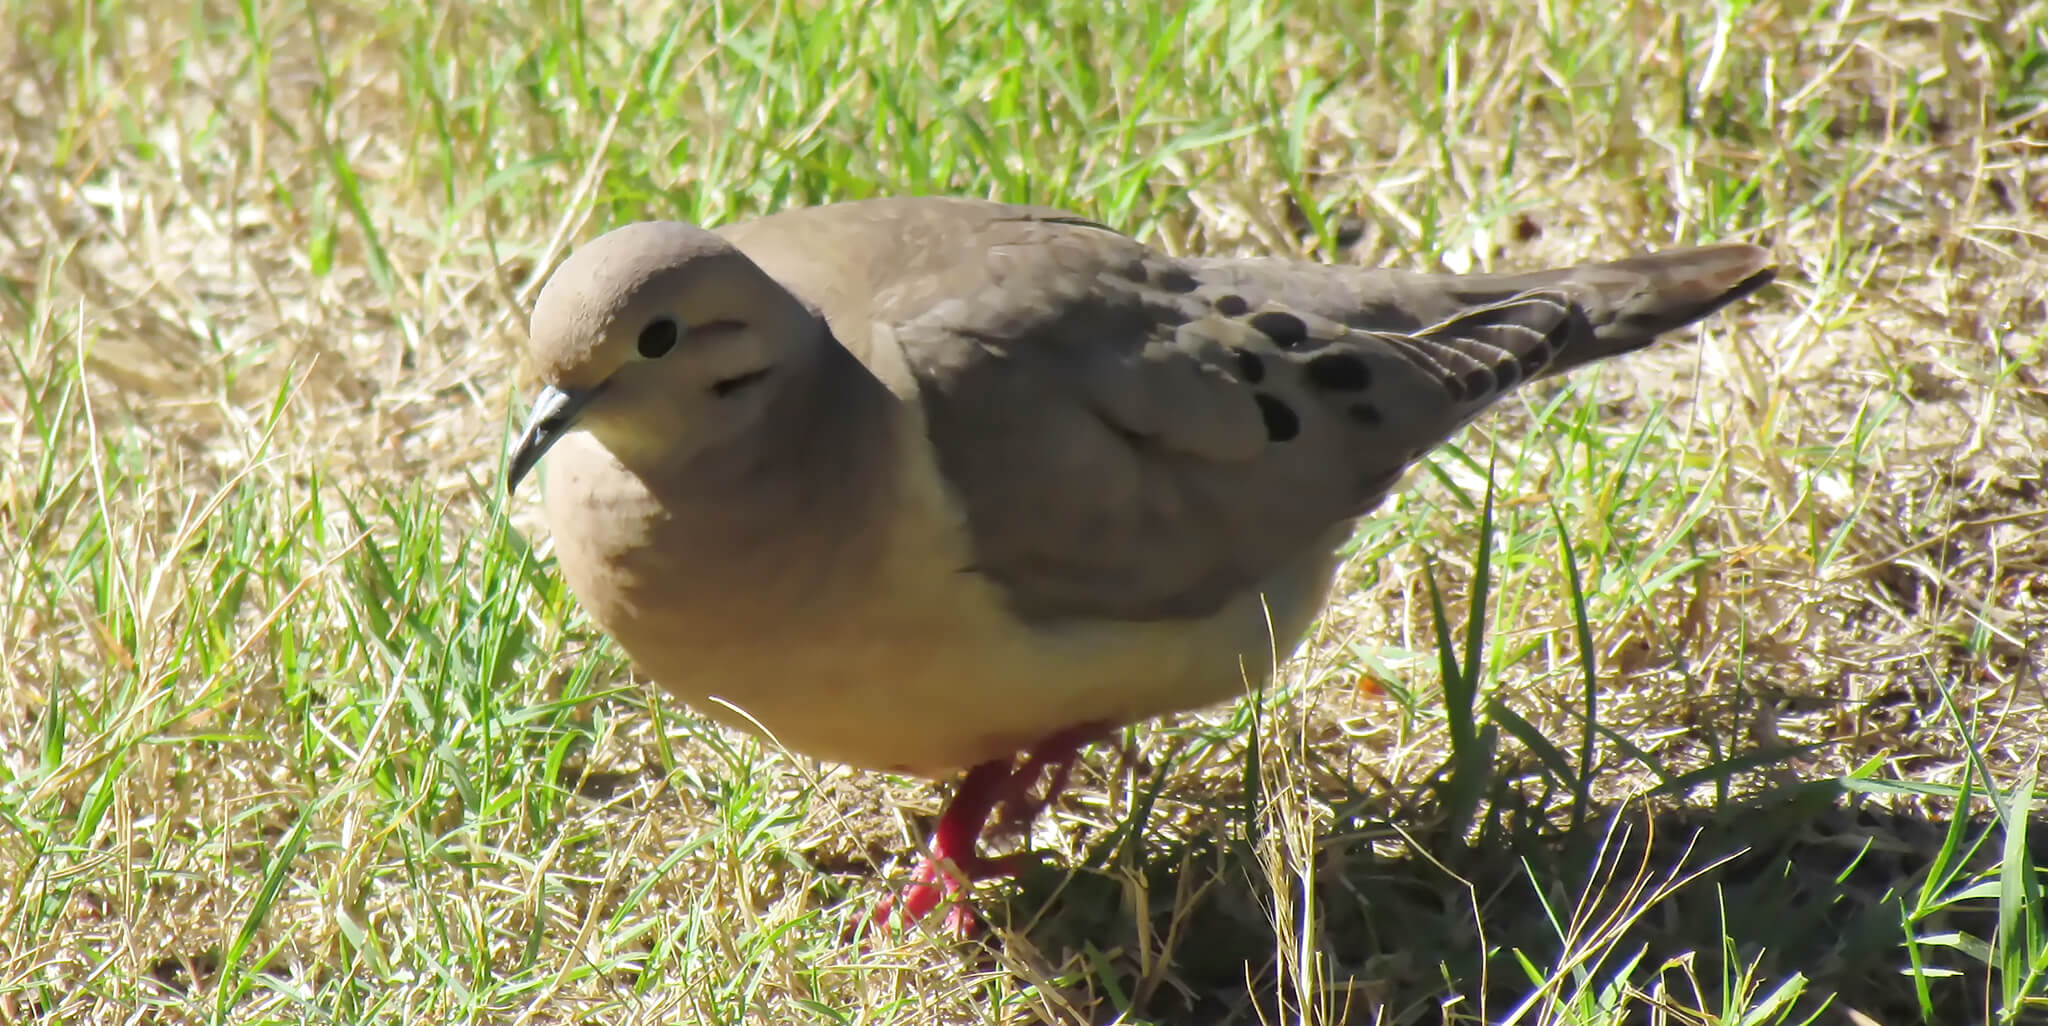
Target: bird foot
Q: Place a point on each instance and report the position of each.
(933, 883)
(953, 863)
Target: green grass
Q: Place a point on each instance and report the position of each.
(1727, 707)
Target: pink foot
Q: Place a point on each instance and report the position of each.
(953, 863)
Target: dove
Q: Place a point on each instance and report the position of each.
(925, 485)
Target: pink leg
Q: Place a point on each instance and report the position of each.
(953, 863)
(1056, 753)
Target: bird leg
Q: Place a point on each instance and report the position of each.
(1056, 753)
(954, 863)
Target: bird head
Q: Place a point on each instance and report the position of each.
(660, 339)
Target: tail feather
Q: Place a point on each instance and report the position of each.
(1556, 321)
(1618, 306)
(1628, 303)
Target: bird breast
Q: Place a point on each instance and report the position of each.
(866, 637)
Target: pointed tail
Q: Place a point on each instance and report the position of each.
(1625, 304)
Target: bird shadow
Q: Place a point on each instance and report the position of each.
(1798, 895)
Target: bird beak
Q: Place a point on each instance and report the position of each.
(554, 413)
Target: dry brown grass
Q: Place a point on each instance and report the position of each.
(295, 730)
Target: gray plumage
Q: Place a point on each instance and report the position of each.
(918, 483)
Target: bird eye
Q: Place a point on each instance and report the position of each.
(657, 338)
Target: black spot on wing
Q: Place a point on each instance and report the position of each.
(1281, 422)
(1176, 280)
(1339, 372)
(1283, 328)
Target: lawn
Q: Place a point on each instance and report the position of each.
(1704, 687)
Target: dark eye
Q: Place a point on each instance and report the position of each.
(657, 338)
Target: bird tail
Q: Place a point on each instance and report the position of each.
(1610, 308)
(1625, 304)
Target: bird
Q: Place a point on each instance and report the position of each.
(930, 484)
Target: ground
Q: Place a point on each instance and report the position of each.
(1738, 720)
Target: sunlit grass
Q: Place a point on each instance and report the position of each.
(1726, 708)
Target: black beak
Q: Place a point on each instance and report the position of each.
(553, 414)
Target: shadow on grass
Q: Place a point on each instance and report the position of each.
(1715, 910)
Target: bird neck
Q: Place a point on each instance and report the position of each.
(818, 440)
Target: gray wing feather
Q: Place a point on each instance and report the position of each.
(1136, 437)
